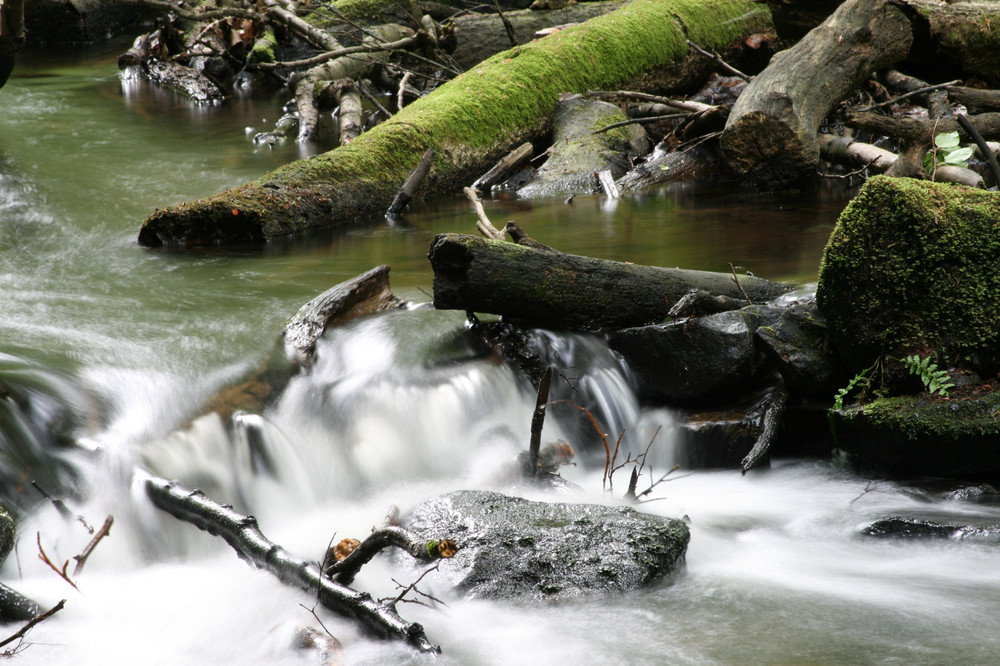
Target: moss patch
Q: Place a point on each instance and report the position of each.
(914, 267)
(469, 123)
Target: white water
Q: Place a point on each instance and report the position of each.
(393, 413)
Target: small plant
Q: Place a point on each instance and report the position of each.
(838, 398)
(947, 152)
(936, 380)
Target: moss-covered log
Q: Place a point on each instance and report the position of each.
(558, 290)
(770, 136)
(913, 267)
(469, 122)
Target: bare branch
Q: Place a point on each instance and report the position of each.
(31, 623)
(81, 559)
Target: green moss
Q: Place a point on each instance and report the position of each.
(912, 267)
(925, 417)
(263, 47)
(469, 122)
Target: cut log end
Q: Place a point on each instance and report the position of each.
(767, 153)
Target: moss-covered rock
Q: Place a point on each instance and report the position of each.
(6, 533)
(913, 267)
(924, 435)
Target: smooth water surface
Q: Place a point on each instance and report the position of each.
(397, 409)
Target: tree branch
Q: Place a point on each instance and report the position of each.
(244, 536)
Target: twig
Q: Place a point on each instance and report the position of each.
(403, 43)
(31, 623)
(658, 481)
(537, 422)
(718, 59)
(413, 587)
(402, 90)
(483, 223)
(988, 155)
(641, 121)
(45, 558)
(600, 432)
(373, 99)
(737, 281)
(912, 93)
(683, 105)
(506, 25)
(81, 559)
(856, 172)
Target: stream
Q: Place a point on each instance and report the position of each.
(127, 343)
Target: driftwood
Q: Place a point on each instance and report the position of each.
(770, 136)
(912, 130)
(558, 290)
(510, 161)
(243, 534)
(350, 111)
(773, 411)
(410, 186)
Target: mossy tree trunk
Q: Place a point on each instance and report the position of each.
(469, 123)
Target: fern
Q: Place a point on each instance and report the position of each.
(936, 380)
(838, 398)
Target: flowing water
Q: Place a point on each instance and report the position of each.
(124, 343)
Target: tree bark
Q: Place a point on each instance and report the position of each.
(243, 534)
(11, 35)
(469, 122)
(770, 136)
(556, 290)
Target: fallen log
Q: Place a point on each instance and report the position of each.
(770, 136)
(469, 122)
(556, 290)
(913, 130)
(243, 534)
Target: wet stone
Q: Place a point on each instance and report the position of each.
(511, 547)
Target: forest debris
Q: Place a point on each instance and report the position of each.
(771, 420)
(81, 559)
(243, 534)
(508, 163)
(31, 623)
(345, 569)
(483, 222)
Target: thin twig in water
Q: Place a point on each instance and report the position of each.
(413, 587)
(32, 622)
(81, 559)
(856, 172)
(737, 281)
(45, 558)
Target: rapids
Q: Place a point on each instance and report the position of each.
(116, 346)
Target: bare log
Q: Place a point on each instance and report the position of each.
(350, 112)
(912, 130)
(975, 100)
(510, 161)
(243, 534)
(770, 136)
(558, 290)
(845, 150)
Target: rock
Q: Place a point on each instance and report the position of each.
(515, 548)
(578, 153)
(63, 22)
(920, 435)
(798, 345)
(913, 267)
(982, 492)
(905, 527)
(6, 534)
(690, 359)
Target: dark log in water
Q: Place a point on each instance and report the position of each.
(242, 533)
(558, 290)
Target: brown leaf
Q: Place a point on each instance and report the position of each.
(345, 548)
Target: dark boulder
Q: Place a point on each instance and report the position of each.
(515, 548)
(798, 345)
(64, 22)
(690, 359)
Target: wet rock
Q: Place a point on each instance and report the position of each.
(982, 492)
(514, 548)
(63, 22)
(690, 359)
(925, 435)
(798, 345)
(902, 527)
(578, 153)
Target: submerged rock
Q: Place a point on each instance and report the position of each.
(513, 548)
(903, 527)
